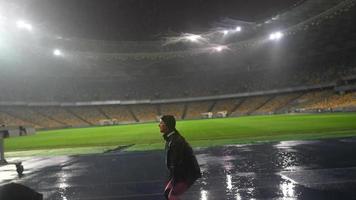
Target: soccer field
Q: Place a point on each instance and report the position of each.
(200, 133)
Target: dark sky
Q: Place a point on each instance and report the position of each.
(143, 19)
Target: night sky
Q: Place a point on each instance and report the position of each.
(143, 19)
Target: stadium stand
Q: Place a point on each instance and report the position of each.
(226, 105)
(310, 98)
(120, 113)
(249, 105)
(195, 109)
(90, 115)
(30, 115)
(49, 117)
(333, 101)
(8, 120)
(145, 113)
(276, 103)
(60, 114)
(175, 109)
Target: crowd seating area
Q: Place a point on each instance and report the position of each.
(9, 120)
(175, 109)
(30, 116)
(333, 101)
(310, 98)
(195, 109)
(250, 104)
(209, 84)
(90, 115)
(277, 102)
(226, 105)
(62, 115)
(120, 113)
(48, 117)
(145, 113)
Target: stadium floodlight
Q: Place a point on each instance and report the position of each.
(57, 52)
(24, 25)
(219, 48)
(276, 35)
(238, 28)
(193, 38)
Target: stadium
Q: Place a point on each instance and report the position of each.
(264, 96)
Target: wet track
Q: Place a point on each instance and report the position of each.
(323, 169)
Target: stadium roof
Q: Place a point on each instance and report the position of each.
(137, 20)
(309, 28)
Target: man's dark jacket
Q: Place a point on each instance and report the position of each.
(180, 159)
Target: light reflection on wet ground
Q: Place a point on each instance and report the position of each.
(283, 170)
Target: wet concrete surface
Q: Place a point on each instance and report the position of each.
(324, 169)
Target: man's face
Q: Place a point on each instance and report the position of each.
(162, 127)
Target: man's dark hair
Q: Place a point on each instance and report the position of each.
(170, 121)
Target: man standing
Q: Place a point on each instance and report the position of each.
(180, 160)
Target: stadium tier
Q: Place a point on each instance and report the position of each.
(120, 113)
(175, 109)
(195, 109)
(47, 117)
(276, 103)
(145, 113)
(249, 105)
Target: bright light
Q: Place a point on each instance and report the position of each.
(57, 52)
(228, 182)
(276, 36)
(186, 37)
(203, 195)
(225, 32)
(24, 25)
(219, 48)
(238, 29)
(193, 38)
(287, 189)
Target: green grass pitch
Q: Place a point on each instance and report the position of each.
(200, 133)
